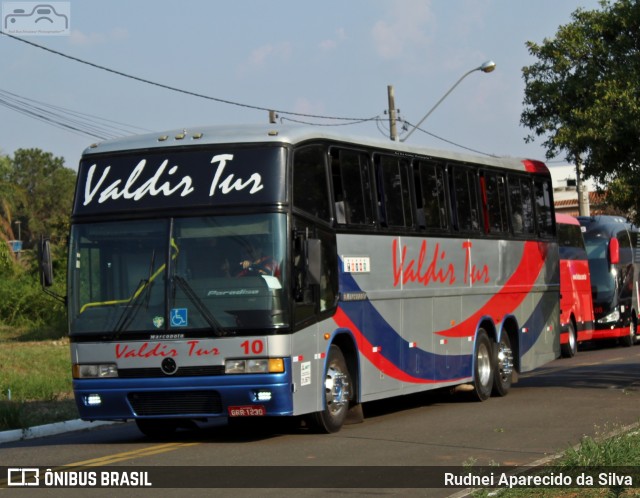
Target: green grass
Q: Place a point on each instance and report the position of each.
(622, 449)
(35, 380)
(613, 449)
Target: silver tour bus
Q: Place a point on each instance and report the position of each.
(285, 271)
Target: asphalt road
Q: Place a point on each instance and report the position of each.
(546, 412)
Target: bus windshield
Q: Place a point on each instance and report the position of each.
(602, 279)
(218, 275)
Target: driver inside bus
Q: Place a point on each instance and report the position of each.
(257, 261)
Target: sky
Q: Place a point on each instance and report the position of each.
(334, 58)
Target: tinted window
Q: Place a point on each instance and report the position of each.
(351, 177)
(465, 189)
(431, 186)
(544, 215)
(496, 202)
(602, 281)
(521, 203)
(310, 182)
(310, 298)
(626, 254)
(395, 194)
(570, 242)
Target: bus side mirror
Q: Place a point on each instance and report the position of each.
(314, 260)
(614, 251)
(46, 264)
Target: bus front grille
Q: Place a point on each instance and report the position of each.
(141, 373)
(176, 403)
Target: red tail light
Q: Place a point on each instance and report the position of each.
(614, 251)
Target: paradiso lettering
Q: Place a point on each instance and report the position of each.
(434, 267)
(164, 182)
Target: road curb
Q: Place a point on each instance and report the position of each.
(48, 430)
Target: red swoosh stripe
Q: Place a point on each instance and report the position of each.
(506, 300)
(377, 359)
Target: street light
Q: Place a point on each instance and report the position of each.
(487, 67)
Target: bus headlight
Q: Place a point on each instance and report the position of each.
(92, 400)
(95, 371)
(611, 317)
(254, 365)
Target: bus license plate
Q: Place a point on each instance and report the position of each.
(247, 411)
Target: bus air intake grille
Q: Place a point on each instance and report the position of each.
(176, 403)
(141, 373)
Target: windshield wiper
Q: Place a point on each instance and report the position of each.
(132, 306)
(200, 306)
(141, 294)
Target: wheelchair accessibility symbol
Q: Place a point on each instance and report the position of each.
(179, 317)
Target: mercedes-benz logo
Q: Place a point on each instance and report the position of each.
(169, 366)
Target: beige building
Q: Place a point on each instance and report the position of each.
(565, 194)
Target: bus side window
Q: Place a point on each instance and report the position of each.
(310, 297)
(521, 205)
(465, 199)
(528, 220)
(431, 194)
(544, 215)
(496, 202)
(310, 191)
(624, 244)
(302, 291)
(394, 192)
(351, 180)
(570, 242)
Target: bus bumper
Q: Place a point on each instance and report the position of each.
(186, 397)
(610, 332)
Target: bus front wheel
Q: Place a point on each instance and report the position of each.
(571, 347)
(337, 393)
(630, 340)
(483, 367)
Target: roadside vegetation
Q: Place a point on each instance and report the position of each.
(36, 192)
(35, 379)
(610, 451)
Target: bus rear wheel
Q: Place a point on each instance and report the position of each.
(483, 367)
(337, 393)
(503, 373)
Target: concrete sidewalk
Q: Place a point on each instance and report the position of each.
(49, 430)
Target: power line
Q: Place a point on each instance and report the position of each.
(175, 89)
(377, 119)
(356, 121)
(451, 142)
(67, 119)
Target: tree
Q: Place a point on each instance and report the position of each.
(47, 194)
(37, 190)
(10, 194)
(583, 93)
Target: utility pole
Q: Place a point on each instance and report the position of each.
(582, 191)
(393, 133)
